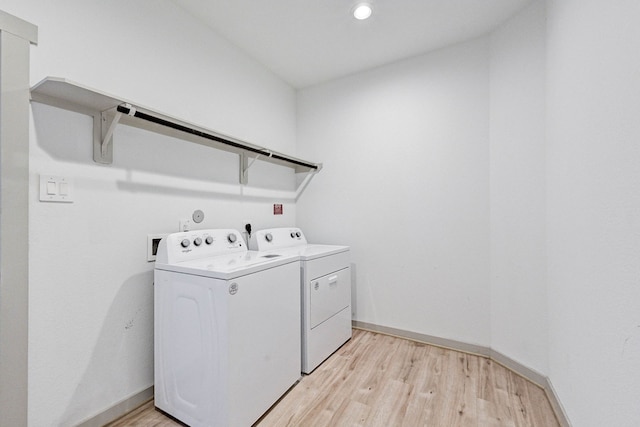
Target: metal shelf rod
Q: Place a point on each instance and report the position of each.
(125, 109)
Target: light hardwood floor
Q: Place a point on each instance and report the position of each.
(379, 380)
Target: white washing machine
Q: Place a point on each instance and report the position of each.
(227, 328)
(325, 283)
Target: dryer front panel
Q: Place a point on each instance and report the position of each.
(328, 295)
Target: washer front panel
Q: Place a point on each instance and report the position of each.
(215, 340)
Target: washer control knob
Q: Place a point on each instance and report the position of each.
(209, 240)
(293, 235)
(231, 238)
(268, 237)
(298, 234)
(197, 241)
(185, 243)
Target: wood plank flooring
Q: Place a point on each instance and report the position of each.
(379, 380)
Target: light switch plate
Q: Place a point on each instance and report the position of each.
(56, 189)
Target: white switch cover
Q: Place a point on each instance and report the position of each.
(56, 189)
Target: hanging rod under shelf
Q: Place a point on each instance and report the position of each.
(128, 110)
(108, 111)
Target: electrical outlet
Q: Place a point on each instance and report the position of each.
(153, 240)
(246, 232)
(248, 229)
(185, 225)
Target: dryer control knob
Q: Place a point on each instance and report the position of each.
(197, 241)
(231, 238)
(268, 237)
(185, 243)
(293, 235)
(297, 234)
(209, 240)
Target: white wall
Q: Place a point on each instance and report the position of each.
(519, 327)
(91, 294)
(564, 199)
(593, 187)
(406, 185)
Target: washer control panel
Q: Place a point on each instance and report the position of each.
(198, 244)
(276, 238)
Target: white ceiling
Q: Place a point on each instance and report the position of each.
(307, 42)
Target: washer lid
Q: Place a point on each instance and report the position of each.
(231, 266)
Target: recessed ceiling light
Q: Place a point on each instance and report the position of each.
(362, 11)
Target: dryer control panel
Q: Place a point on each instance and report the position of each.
(196, 244)
(277, 238)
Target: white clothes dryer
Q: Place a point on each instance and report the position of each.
(325, 283)
(227, 328)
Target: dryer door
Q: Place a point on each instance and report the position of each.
(329, 295)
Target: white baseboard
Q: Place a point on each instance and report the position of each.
(556, 404)
(119, 409)
(535, 377)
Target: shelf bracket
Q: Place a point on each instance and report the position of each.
(103, 136)
(245, 166)
(304, 183)
(103, 145)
